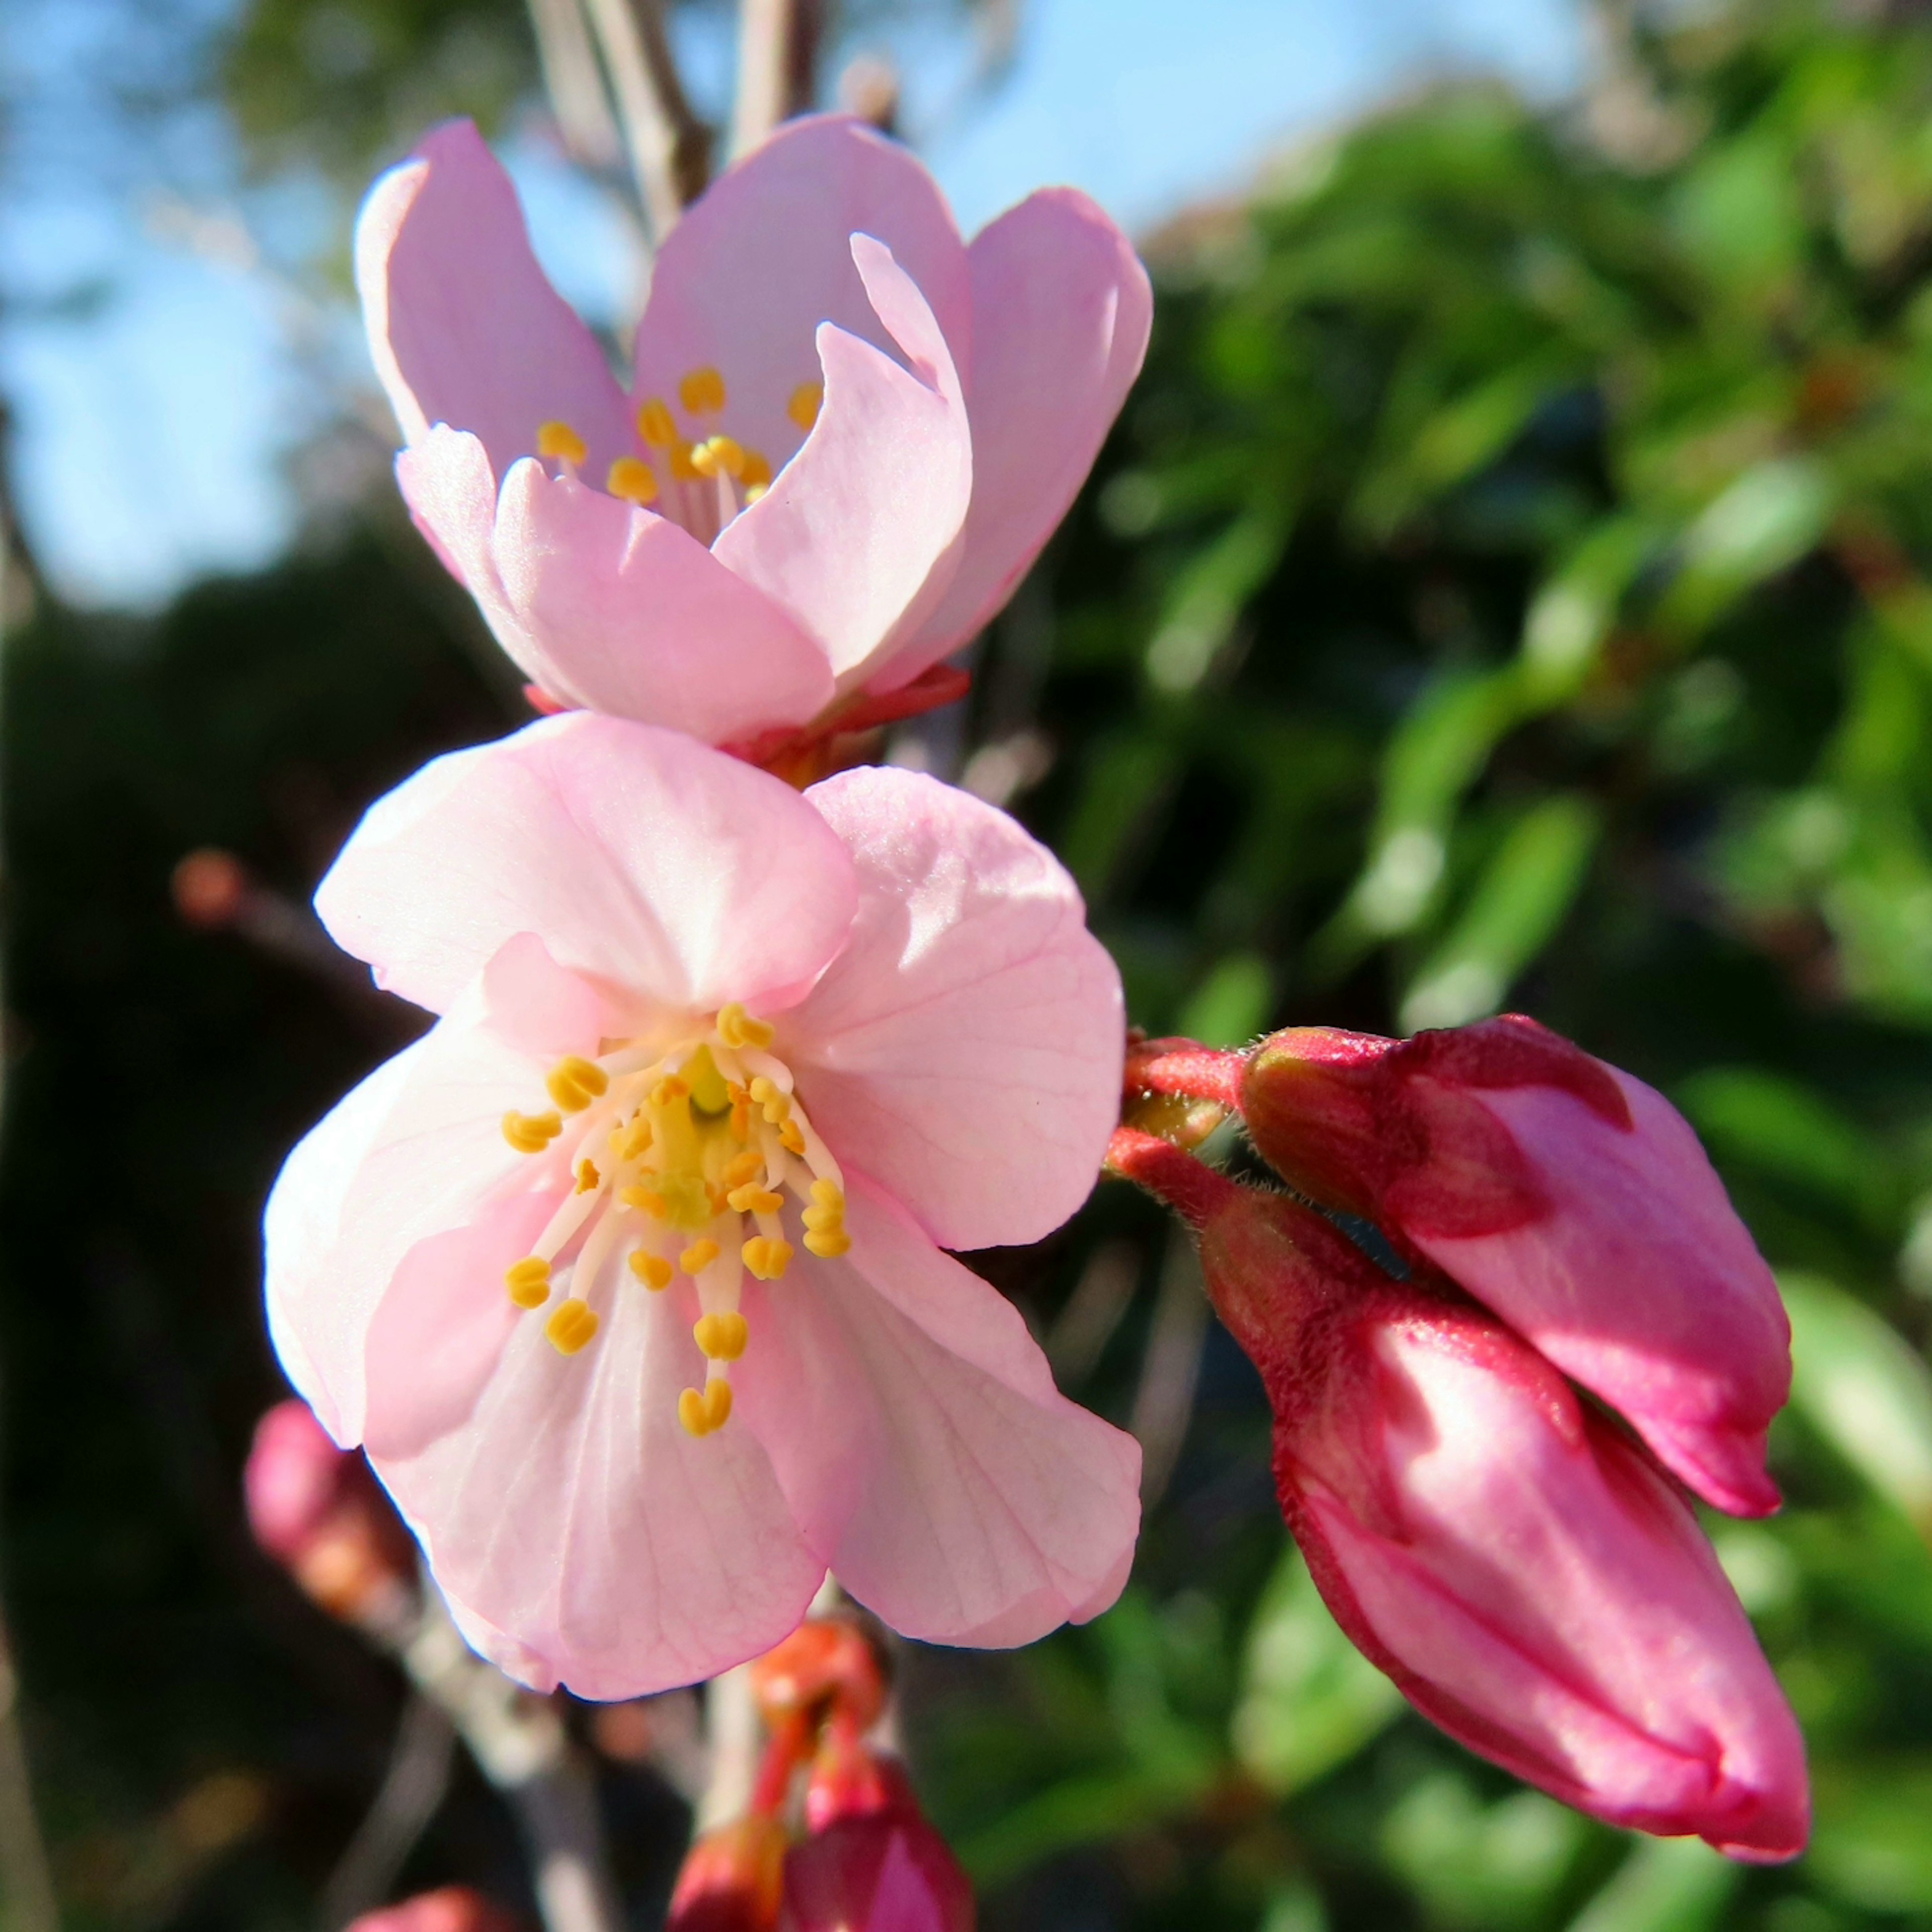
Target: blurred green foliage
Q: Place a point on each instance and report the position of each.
(1508, 585)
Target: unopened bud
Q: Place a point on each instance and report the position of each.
(732, 1879)
(872, 1862)
(210, 887)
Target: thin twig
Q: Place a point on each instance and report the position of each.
(411, 1791)
(778, 64)
(574, 84)
(669, 146)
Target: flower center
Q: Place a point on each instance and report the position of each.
(682, 1158)
(707, 477)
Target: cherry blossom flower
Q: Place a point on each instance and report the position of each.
(848, 435)
(628, 1274)
(1531, 1579)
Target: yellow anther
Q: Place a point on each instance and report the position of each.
(646, 1201)
(830, 1242)
(736, 1027)
(807, 399)
(718, 456)
(655, 424)
(741, 1113)
(822, 1218)
(531, 1133)
(629, 1139)
(529, 1281)
(790, 1135)
(773, 1098)
(558, 442)
(574, 1082)
(828, 1194)
(754, 492)
(669, 1090)
(766, 1256)
(710, 1093)
(588, 1179)
(702, 1413)
(633, 479)
(753, 1199)
(702, 392)
(571, 1327)
(698, 1257)
(653, 1271)
(682, 470)
(721, 1337)
(742, 1167)
(757, 473)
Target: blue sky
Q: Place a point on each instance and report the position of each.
(149, 429)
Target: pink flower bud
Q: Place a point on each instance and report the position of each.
(455, 1908)
(1571, 1199)
(1527, 1575)
(319, 1512)
(732, 1879)
(872, 1864)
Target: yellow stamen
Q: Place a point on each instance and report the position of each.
(669, 1091)
(655, 424)
(773, 1098)
(529, 1281)
(704, 1413)
(653, 1271)
(629, 1139)
(702, 392)
(752, 1199)
(719, 456)
(588, 1178)
(698, 1257)
(828, 1194)
(757, 473)
(807, 399)
(633, 479)
(571, 1327)
(789, 1132)
(736, 1027)
(574, 1082)
(531, 1133)
(829, 1243)
(646, 1201)
(766, 1256)
(741, 1113)
(721, 1337)
(755, 492)
(683, 469)
(742, 1167)
(558, 442)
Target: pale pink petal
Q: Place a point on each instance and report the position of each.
(665, 870)
(1640, 1282)
(743, 281)
(1061, 307)
(415, 1150)
(463, 328)
(538, 1007)
(447, 482)
(857, 537)
(570, 1510)
(632, 616)
(964, 1048)
(929, 1459)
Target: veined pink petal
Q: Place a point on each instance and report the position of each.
(447, 482)
(965, 1047)
(572, 1513)
(857, 537)
(538, 1007)
(635, 617)
(463, 327)
(651, 862)
(413, 1151)
(1641, 1282)
(923, 1448)
(1061, 308)
(762, 258)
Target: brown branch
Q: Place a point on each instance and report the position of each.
(777, 66)
(670, 147)
(574, 84)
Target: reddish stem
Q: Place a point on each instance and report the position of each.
(791, 1744)
(1186, 1068)
(1193, 1190)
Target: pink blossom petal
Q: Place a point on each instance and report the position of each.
(416, 1150)
(927, 1457)
(965, 1047)
(1641, 1283)
(630, 615)
(858, 536)
(571, 1510)
(645, 860)
(1061, 307)
(539, 1008)
(463, 327)
(763, 258)
(447, 482)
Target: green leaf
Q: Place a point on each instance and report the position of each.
(1230, 1006)
(1871, 1845)
(1477, 1864)
(1666, 1884)
(1762, 524)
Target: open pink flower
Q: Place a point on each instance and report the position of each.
(628, 1274)
(848, 435)
(1524, 1570)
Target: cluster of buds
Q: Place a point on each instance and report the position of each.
(859, 1855)
(1529, 1571)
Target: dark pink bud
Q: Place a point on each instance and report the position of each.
(731, 1878)
(319, 1511)
(1569, 1198)
(872, 1864)
(1525, 1572)
(455, 1908)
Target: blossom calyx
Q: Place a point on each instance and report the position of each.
(872, 1862)
(1567, 1196)
(732, 1879)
